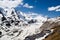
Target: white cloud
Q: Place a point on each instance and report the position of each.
(13, 4)
(56, 8)
(27, 6)
(9, 3)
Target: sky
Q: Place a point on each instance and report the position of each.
(43, 7)
(49, 8)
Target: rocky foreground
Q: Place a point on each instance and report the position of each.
(55, 35)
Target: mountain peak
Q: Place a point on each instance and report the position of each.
(18, 24)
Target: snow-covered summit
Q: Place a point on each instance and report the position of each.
(18, 25)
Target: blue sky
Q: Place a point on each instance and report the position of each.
(40, 7)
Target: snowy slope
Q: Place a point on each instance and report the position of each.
(18, 25)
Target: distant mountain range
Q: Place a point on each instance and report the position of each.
(16, 25)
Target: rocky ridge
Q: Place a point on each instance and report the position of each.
(20, 26)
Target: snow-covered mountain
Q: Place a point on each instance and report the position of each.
(16, 25)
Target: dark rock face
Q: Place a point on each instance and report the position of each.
(32, 21)
(15, 31)
(8, 24)
(12, 12)
(3, 18)
(12, 21)
(0, 33)
(17, 22)
(33, 37)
